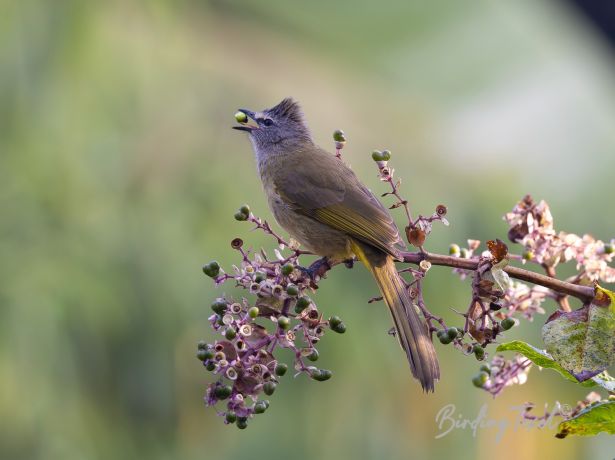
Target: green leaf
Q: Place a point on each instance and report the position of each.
(543, 359)
(583, 341)
(590, 421)
(540, 358)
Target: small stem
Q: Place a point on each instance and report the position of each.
(584, 293)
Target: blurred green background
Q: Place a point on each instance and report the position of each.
(119, 177)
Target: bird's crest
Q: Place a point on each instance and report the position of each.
(289, 109)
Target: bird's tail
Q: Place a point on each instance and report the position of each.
(411, 330)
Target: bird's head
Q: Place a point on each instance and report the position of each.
(275, 128)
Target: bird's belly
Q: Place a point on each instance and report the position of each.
(313, 235)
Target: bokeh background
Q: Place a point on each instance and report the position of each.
(119, 177)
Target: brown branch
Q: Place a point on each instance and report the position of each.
(584, 293)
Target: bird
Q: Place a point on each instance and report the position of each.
(324, 206)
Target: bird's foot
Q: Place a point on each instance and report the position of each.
(317, 270)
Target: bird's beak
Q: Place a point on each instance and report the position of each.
(245, 126)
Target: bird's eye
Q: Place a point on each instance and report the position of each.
(267, 121)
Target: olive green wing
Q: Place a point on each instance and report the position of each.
(335, 197)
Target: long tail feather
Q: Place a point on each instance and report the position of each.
(411, 330)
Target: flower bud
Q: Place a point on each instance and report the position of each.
(283, 322)
(241, 117)
(302, 304)
(287, 269)
(269, 387)
(253, 312)
(292, 290)
(212, 269)
(280, 369)
(507, 323)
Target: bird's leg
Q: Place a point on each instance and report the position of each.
(317, 269)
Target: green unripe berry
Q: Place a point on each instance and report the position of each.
(507, 323)
(340, 328)
(454, 250)
(339, 136)
(202, 355)
(302, 304)
(223, 391)
(230, 333)
(245, 209)
(210, 366)
(280, 369)
(231, 417)
(452, 333)
(241, 117)
(441, 332)
(321, 375)
(240, 216)
(292, 290)
(212, 269)
(219, 306)
(287, 269)
(202, 345)
(313, 356)
(385, 155)
(485, 368)
(242, 423)
(464, 253)
(480, 379)
(335, 321)
(269, 387)
(445, 339)
(479, 352)
(377, 155)
(528, 255)
(259, 276)
(260, 407)
(283, 322)
(253, 312)
(609, 248)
